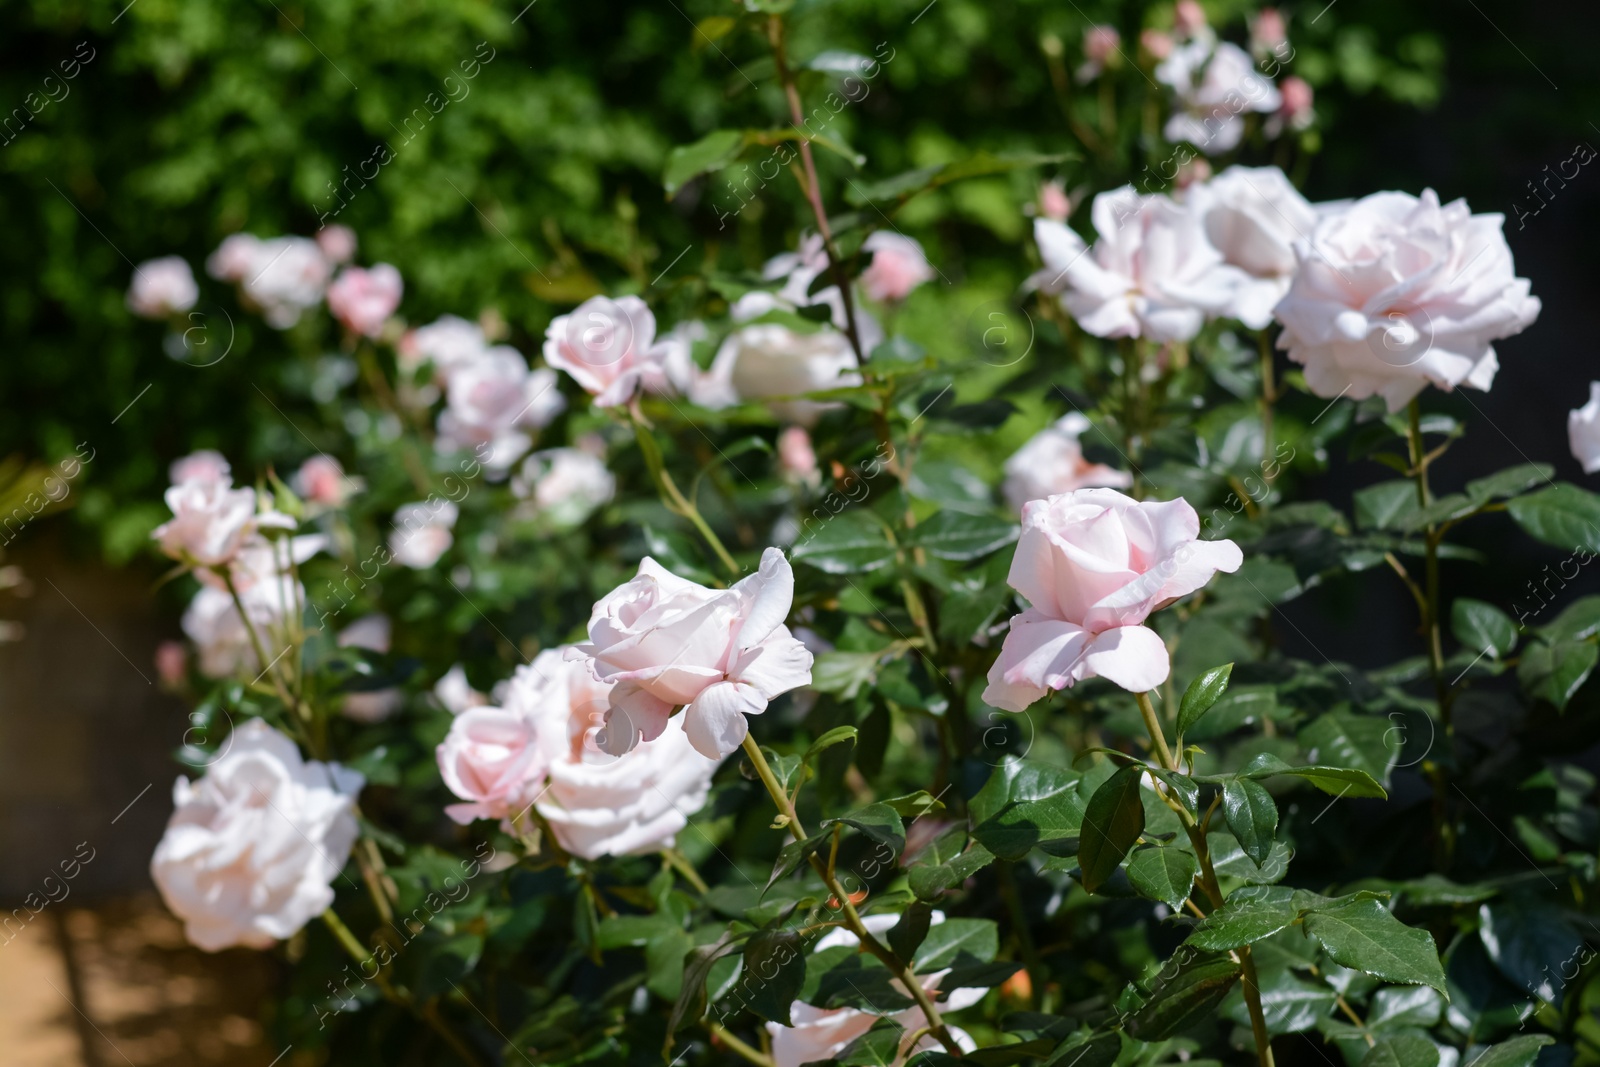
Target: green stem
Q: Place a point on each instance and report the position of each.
(1269, 396)
(739, 1047)
(852, 918)
(673, 498)
(680, 863)
(1250, 984)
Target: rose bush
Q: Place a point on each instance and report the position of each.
(836, 679)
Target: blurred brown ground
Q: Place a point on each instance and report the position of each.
(104, 978)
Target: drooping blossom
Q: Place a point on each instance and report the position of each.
(1093, 564)
(722, 654)
(253, 846)
(362, 299)
(1052, 462)
(162, 288)
(1396, 292)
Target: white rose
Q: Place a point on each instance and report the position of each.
(598, 804)
(1052, 462)
(455, 694)
(565, 485)
(1395, 292)
(1215, 83)
(492, 400)
(211, 523)
(421, 533)
(820, 1034)
(773, 363)
(1151, 273)
(270, 598)
(362, 299)
(232, 260)
(252, 847)
(667, 642)
(609, 347)
(447, 343)
(491, 761)
(1254, 215)
(1583, 431)
(162, 288)
(287, 275)
(202, 466)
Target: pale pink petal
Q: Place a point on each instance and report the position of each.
(1133, 657)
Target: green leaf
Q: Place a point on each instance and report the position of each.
(904, 186)
(836, 736)
(1250, 914)
(959, 536)
(876, 1047)
(907, 935)
(1112, 822)
(1101, 1050)
(1520, 1051)
(851, 542)
(1337, 781)
(1344, 739)
(792, 855)
(1531, 942)
(971, 940)
(879, 822)
(1026, 803)
(845, 673)
(1231, 862)
(1510, 481)
(1201, 694)
(929, 881)
(1562, 515)
(712, 152)
(1362, 935)
(1252, 816)
(1290, 1003)
(914, 805)
(1554, 672)
(691, 1003)
(1164, 874)
(1402, 1050)
(1482, 627)
(1580, 619)
(1398, 1006)
(1184, 999)
(1387, 505)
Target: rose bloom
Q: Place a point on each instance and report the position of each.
(490, 760)
(564, 485)
(1053, 201)
(252, 847)
(421, 533)
(455, 694)
(270, 598)
(363, 299)
(1296, 108)
(1094, 564)
(321, 480)
(1268, 31)
(491, 400)
(1214, 83)
(338, 243)
(1395, 292)
(447, 343)
(598, 804)
(1100, 43)
(232, 260)
(162, 288)
(1189, 19)
(1151, 273)
(202, 466)
(666, 642)
(287, 275)
(609, 348)
(821, 1034)
(1583, 431)
(1157, 44)
(1052, 462)
(1253, 216)
(172, 663)
(778, 365)
(796, 457)
(210, 522)
(898, 266)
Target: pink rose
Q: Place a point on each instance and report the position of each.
(1094, 564)
(491, 401)
(252, 847)
(666, 642)
(796, 456)
(172, 663)
(202, 466)
(1156, 43)
(598, 804)
(1268, 31)
(1053, 201)
(1052, 462)
(421, 533)
(1396, 292)
(363, 299)
(1100, 43)
(338, 243)
(285, 277)
(1296, 108)
(490, 760)
(234, 257)
(448, 342)
(609, 348)
(211, 523)
(322, 480)
(1189, 18)
(898, 266)
(162, 288)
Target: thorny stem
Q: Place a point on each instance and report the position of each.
(1250, 980)
(852, 918)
